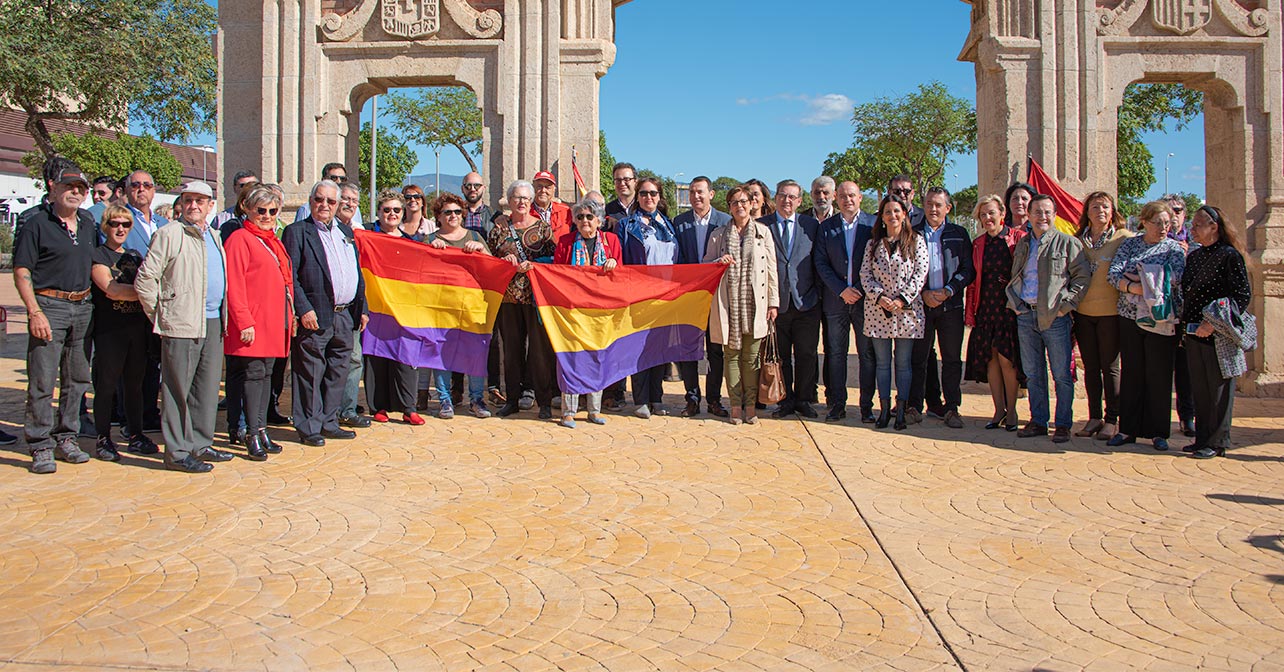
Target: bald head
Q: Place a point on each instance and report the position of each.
(848, 198)
(474, 189)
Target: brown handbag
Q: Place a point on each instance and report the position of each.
(771, 385)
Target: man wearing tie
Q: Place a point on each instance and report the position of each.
(838, 257)
(693, 230)
(798, 324)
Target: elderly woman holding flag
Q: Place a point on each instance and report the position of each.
(587, 246)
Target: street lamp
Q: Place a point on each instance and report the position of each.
(677, 200)
(1170, 155)
(205, 152)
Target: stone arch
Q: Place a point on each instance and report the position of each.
(1051, 76)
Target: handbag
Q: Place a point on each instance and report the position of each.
(771, 384)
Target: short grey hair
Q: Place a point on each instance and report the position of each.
(518, 184)
(597, 196)
(323, 184)
(590, 206)
(824, 181)
(348, 186)
(1173, 197)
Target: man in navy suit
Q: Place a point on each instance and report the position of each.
(840, 251)
(329, 298)
(693, 230)
(949, 252)
(798, 323)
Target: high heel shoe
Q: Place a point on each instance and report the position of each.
(269, 445)
(900, 418)
(254, 447)
(884, 415)
(997, 422)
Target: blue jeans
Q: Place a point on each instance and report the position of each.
(838, 330)
(904, 367)
(1039, 349)
(476, 386)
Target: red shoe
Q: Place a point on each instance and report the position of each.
(413, 419)
(381, 416)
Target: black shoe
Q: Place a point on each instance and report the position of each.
(1188, 427)
(141, 445)
(275, 418)
(7, 439)
(213, 454)
(507, 409)
(105, 449)
(1192, 448)
(884, 417)
(316, 440)
(338, 434)
(836, 413)
(692, 409)
(805, 410)
(190, 464)
(783, 411)
(867, 416)
(717, 410)
(254, 448)
(545, 413)
(355, 421)
(1160, 443)
(900, 419)
(1120, 439)
(268, 444)
(1207, 453)
(236, 437)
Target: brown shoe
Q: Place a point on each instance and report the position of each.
(1091, 428)
(953, 420)
(1032, 429)
(692, 410)
(1061, 435)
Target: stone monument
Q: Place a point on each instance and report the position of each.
(295, 74)
(1051, 75)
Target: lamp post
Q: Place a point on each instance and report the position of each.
(374, 153)
(205, 152)
(438, 185)
(1170, 155)
(677, 200)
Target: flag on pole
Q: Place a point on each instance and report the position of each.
(575, 168)
(428, 307)
(607, 326)
(1069, 208)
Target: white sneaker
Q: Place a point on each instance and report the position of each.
(642, 411)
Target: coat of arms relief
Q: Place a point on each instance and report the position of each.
(411, 19)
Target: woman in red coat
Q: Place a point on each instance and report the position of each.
(260, 311)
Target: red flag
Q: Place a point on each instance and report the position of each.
(1069, 208)
(579, 181)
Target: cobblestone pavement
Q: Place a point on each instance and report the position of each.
(660, 544)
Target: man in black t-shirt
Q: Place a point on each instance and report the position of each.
(52, 256)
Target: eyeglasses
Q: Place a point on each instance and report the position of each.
(337, 178)
(142, 185)
(624, 179)
(319, 200)
(739, 201)
(585, 216)
(120, 223)
(1178, 209)
(902, 192)
(389, 209)
(414, 197)
(519, 199)
(453, 212)
(267, 211)
(649, 193)
(473, 185)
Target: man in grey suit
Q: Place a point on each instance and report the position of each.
(693, 230)
(798, 323)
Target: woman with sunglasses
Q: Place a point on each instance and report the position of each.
(448, 211)
(413, 219)
(648, 238)
(260, 312)
(121, 330)
(389, 383)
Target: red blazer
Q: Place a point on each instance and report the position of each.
(609, 242)
(559, 219)
(257, 296)
(973, 297)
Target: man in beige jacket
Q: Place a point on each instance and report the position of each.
(182, 285)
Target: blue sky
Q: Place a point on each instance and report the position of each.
(706, 87)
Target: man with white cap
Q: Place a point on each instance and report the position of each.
(182, 285)
(52, 256)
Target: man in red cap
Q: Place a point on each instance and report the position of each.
(547, 207)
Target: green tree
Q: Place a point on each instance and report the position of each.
(99, 155)
(915, 134)
(1149, 108)
(606, 161)
(722, 185)
(965, 201)
(395, 160)
(104, 62)
(440, 117)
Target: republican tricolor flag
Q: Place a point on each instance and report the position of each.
(1069, 208)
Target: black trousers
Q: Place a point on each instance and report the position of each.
(690, 372)
(1213, 394)
(320, 360)
(120, 361)
(278, 379)
(1145, 388)
(234, 390)
(1182, 384)
(527, 352)
(390, 385)
(255, 376)
(942, 328)
(1098, 338)
(798, 337)
(648, 385)
(839, 328)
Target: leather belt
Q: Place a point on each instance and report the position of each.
(74, 297)
(341, 307)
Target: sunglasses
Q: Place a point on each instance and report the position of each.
(453, 212)
(902, 192)
(387, 210)
(120, 223)
(337, 178)
(1179, 210)
(584, 217)
(414, 197)
(267, 211)
(318, 200)
(651, 193)
(142, 185)
(473, 185)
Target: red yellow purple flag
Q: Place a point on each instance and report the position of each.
(1069, 208)
(428, 307)
(607, 326)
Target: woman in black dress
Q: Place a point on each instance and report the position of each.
(992, 353)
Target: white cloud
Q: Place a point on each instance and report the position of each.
(822, 110)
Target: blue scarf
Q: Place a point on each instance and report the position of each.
(580, 256)
(659, 224)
